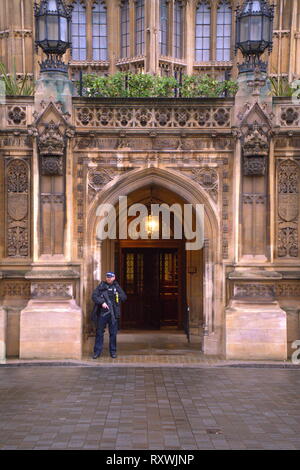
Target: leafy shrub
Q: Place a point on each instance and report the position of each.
(128, 84)
(204, 86)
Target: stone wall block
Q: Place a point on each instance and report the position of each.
(256, 331)
(51, 330)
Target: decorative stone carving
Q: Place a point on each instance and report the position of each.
(254, 131)
(255, 141)
(15, 289)
(143, 117)
(16, 115)
(277, 290)
(226, 228)
(288, 191)
(51, 290)
(254, 291)
(288, 209)
(287, 290)
(153, 117)
(254, 166)
(288, 241)
(104, 117)
(124, 117)
(221, 117)
(55, 198)
(97, 178)
(290, 116)
(52, 129)
(19, 141)
(86, 117)
(51, 141)
(51, 166)
(202, 117)
(254, 198)
(17, 218)
(17, 176)
(208, 179)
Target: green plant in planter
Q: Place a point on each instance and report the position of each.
(130, 85)
(140, 85)
(104, 86)
(164, 86)
(94, 85)
(204, 86)
(116, 85)
(16, 86)
(231, 87)
(281, 87)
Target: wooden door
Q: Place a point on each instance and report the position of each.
(169, 287)
(150, 277)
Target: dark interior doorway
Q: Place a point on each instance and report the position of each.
(153, 281)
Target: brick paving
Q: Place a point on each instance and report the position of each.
(161, 408)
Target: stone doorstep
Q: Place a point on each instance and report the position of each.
(141, 361)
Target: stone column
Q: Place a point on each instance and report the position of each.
(51, 323)
(3, 330)
(152, 34)
(255, 325)
(190, 37)
(98, 261)
(209, 345)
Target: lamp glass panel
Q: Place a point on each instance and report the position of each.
(42, 27)
(266, 29)
(256, 28)
(52, 28)
(244, 29)
(63, 29)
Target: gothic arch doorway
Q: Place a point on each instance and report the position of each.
(153, 271)
(195, 269)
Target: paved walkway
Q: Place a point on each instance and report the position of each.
(162, 408)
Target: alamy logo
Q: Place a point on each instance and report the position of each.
(2, 91)
(188, 222)
(296, 94)
(296, 354)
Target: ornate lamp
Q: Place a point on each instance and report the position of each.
(254, 31)
(53, 33)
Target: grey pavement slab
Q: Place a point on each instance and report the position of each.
(163, 408)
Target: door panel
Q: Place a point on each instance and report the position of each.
(168, 277)
(151, 282)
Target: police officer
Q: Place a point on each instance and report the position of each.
(107, 297)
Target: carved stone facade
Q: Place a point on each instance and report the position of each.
(244, 170)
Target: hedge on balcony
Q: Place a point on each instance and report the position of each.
(130, 85)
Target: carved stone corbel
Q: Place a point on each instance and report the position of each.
(52, 129)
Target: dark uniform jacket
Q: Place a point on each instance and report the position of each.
(100, 295)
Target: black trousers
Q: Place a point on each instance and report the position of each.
(104, 320)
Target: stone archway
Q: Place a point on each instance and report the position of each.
(191, 193)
